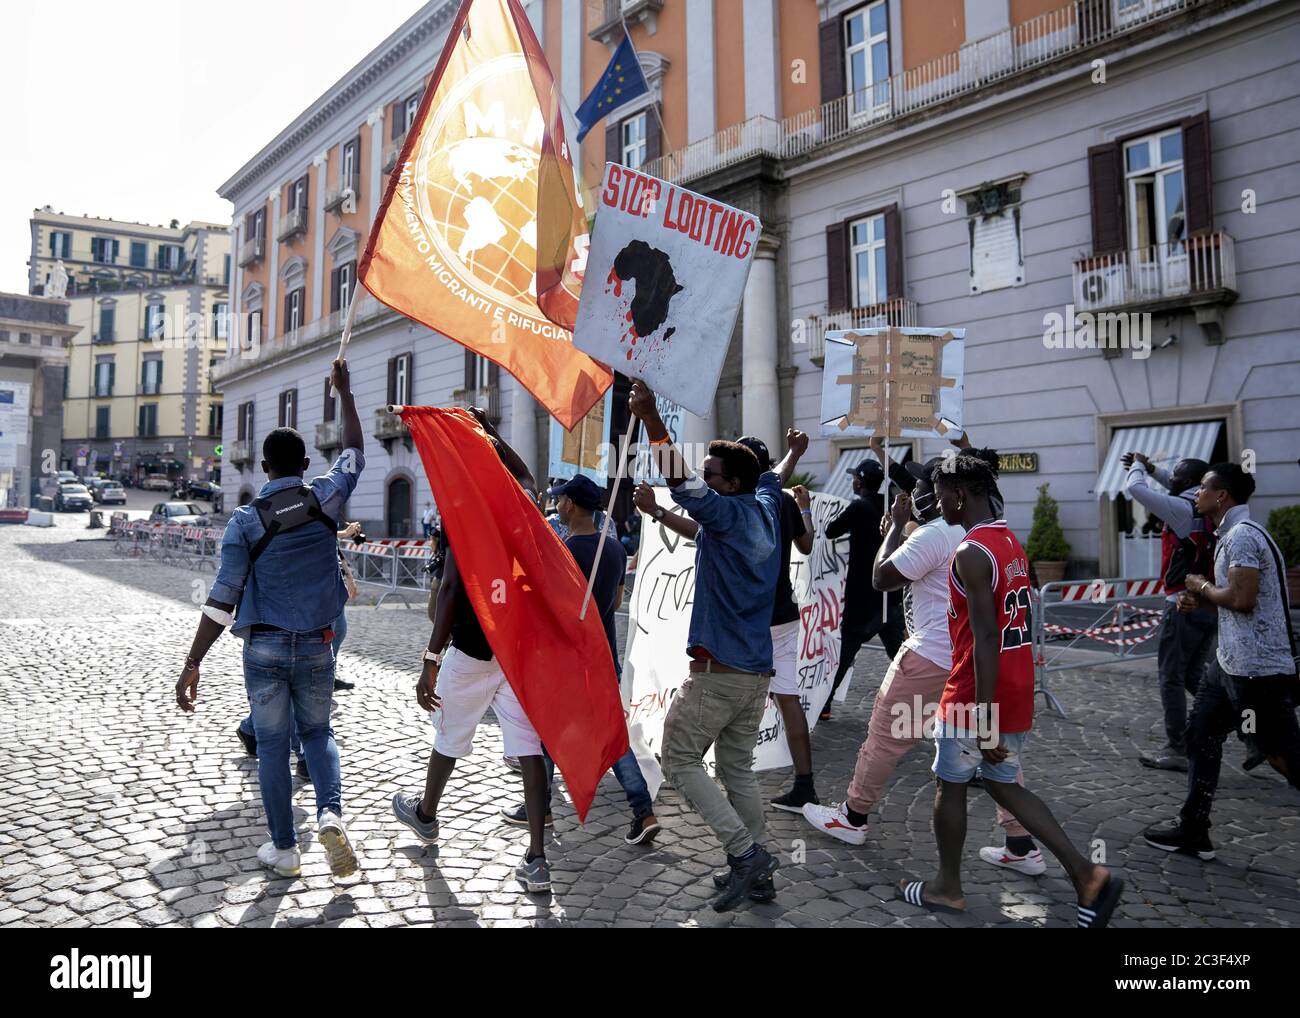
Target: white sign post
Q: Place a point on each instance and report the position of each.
(665, 277)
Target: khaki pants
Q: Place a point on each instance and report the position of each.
(894, 728)
(721, 709)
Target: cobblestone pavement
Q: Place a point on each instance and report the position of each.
(119, 810)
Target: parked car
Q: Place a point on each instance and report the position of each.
(205, 490)
(109, 493)
(156, 482)
(178, 512)
(72, 496)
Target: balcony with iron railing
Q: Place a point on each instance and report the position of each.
(347, 191)
(250, 251)
(329, 435)
(488, 397)
(292, 224)
(240, 452)
(605, 18)
(898, 313)
(392, 151)
(1198, 273)
(1011, 54)
(389, 427)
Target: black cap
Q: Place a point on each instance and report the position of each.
(759, 448)
(869, 471)
(582, 490)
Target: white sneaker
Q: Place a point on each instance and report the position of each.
(1031, 865)
(834, 820)
(334, 838)
(285, 862)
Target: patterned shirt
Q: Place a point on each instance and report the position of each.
(1254, 642)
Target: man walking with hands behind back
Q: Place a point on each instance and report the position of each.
(721, 703)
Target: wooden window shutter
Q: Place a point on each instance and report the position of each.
(837, 268)
(1197, 180)
(831, 56)
(410, 377)
(334, 289)
(471, 375)
(654, 141)
(392, 380)
(1106, 190)
(398, 122)
(494, 375)
(614, 143)
(327, 413)
(293, 408)
(239, 424)
(893, 253)
(288, 306)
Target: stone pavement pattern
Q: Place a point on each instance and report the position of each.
(119, 810)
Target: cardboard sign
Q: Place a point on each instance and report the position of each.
(893, 382)
(655, 663)
(585, 448)
(664, 280)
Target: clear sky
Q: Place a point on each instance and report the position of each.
(141, 109)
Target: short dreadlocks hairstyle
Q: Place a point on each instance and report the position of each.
(970, 472)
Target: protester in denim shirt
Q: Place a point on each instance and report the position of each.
(721, 703)
(287, 602)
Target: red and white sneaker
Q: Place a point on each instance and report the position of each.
(834, 820)
(1031, 865)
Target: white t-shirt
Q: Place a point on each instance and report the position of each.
(923, 559)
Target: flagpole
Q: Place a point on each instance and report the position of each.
(347, 330)
(600, 544)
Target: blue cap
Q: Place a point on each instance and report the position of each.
(584, 492)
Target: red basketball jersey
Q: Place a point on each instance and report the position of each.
(1014, 692)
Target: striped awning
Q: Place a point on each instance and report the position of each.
(1164, 444)
(840, 484)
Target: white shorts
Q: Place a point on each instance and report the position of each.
(785, 659)
(467, 687)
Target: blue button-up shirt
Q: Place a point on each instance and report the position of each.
(296, 583)
(737, 558)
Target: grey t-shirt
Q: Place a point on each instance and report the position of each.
(1255, 642)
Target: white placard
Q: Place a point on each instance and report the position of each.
(664, 281)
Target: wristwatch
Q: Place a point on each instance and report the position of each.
(431, 656)
(659, 513)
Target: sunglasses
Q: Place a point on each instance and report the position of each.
(708, 474)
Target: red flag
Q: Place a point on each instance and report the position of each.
(482, 218)
(527, 592)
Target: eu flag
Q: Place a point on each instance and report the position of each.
(622, 81)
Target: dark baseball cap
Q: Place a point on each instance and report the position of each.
(869, 471)
(759, 448)
(584, 492)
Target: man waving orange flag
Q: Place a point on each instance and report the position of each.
(481, 234)
(527, 592)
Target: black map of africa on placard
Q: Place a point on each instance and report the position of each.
(655, 284)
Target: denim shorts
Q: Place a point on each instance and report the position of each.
(957, 757)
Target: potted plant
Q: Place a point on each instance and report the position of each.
(1047, 548)
(1284, 525)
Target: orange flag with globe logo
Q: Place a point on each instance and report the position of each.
(481, 234)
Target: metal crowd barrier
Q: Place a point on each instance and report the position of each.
(394, 564)
(1093, 623)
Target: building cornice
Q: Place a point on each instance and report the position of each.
(421, 27)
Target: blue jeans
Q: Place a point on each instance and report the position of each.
(290, 677)
(295, 743)
(629, 775)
